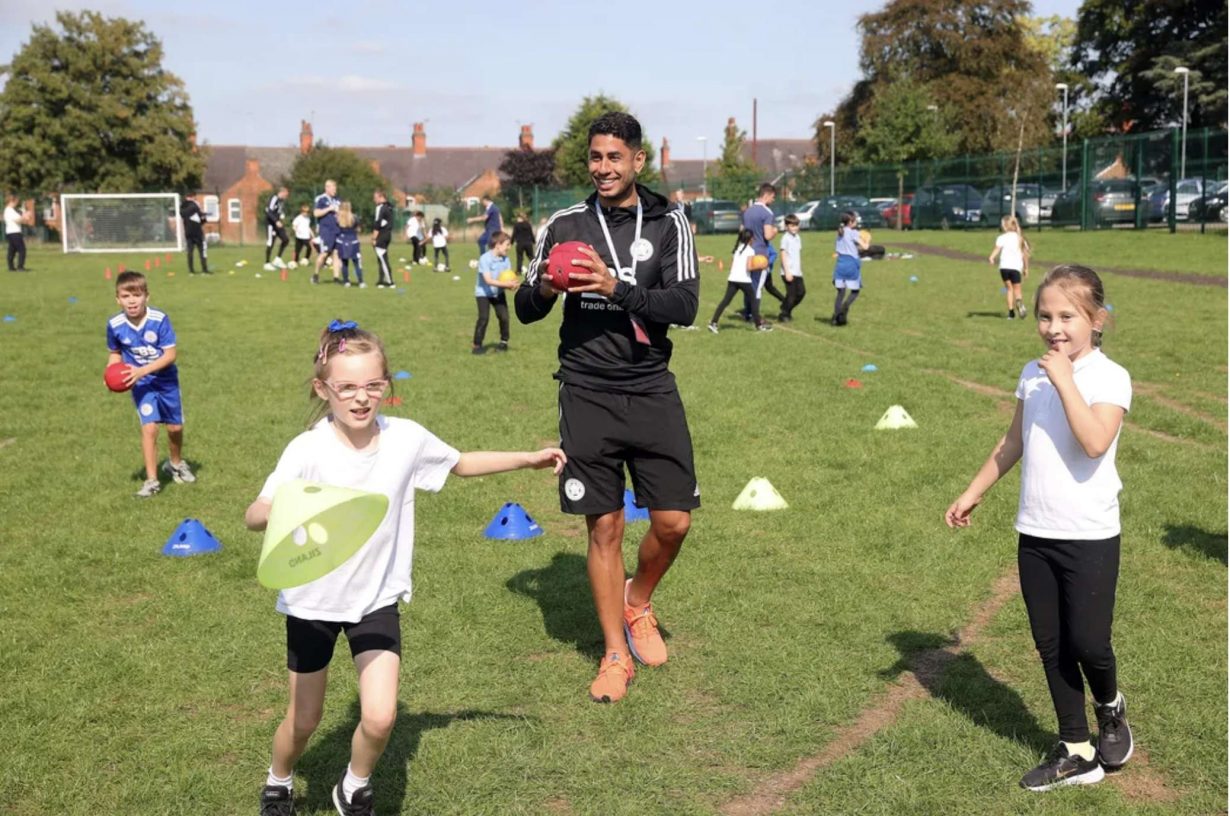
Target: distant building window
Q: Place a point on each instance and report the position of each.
(212, 213)
(234, 210)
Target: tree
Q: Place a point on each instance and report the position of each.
(526, 167)
(1130, 48)
(89, 107)
(734, 176)
(904, 124)
(356, 180)
(571, 146)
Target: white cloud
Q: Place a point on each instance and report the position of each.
(367, 47)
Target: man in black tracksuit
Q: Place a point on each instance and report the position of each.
(618, 402)
(194, 231)
(382, 234)
(274, 226)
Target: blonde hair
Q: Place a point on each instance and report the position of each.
(345, 216)
(346, 338)
(1009, 223)
(1082, 286)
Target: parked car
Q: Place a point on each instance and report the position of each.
(716, 215)
(803, 213)
(1211, 207)
(1185, 192)
(1033, 203)
(906, 206)
(827, 213)
(1110, 202)
(946, 205)
(1158, 198)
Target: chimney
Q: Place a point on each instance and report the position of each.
(305, 136)
(526, 141)
(665, 160)
(251, 167)
(419, 140)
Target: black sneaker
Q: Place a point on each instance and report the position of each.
(502, 347)
(362, 803)
(478, 350)
(1060, 768)
(841, 319)
(1114, 736)
(277, 800)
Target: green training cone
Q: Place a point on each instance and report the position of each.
(313, 529)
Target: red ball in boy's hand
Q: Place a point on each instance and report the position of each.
(115, 375)
(559, 263)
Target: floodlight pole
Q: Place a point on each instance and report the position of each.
(704, 165)
(1183, 146)
(832, 126)
(1063, 86)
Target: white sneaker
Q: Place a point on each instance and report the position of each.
(362, 285)
(279, 263)
(269, 267)
(181, 473)
(346, 284)
(150, 488)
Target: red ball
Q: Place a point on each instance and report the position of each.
(559, 263)
(114, 377)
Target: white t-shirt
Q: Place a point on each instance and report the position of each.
(440, 239)
(414, 229)
(302, 225)
(408, 457)
(12, 221)
(792, 253)
(1011, 255)
(1064, 493)
(738, 265)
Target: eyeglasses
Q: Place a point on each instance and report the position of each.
(348, 391)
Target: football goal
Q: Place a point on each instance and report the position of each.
(123, 222)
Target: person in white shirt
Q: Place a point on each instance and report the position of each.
(302, 227)
(740, 280)
(1012, 250)
(792, 268)
(1065, 431)
(352, 446)
(14, 220)
(439, 245)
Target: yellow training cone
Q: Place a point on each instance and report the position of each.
(313, 529)
(759, 495)
(894, 419)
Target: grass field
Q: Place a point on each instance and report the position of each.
(813, 668)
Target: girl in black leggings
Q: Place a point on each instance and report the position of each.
(740, 281)
(1070, 407)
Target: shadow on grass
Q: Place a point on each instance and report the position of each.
(960, 680)
(328, 754)
(1196, 540)
(164, 478)
(561, 590)
(1001, 315)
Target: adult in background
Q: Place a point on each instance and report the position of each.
(325, 210)
(523, 240)
(760, 220)
(194, 231)
(685, 205)
(382, 234)
(14, 219)
(618, 403)
(275, 227)
(492, 220)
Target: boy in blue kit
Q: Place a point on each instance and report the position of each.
(143, 339)
(326, 209)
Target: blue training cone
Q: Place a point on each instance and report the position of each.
(870, 367)
(631, 511)
(190, 538)
(512, 522)
(402, 375)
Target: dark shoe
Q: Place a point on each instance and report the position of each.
(1060, 769)
(478, 350)
(841, 319)
(361, 804)
(502, 347)
(1114, 736)
(835, 320)
(713, 327)
(277, 800)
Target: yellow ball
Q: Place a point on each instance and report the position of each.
(508, 276)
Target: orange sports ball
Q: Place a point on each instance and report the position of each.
(114, 377)
(757, 263)
(559, 263)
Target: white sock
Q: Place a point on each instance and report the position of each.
(352, 783)
(1084, 750)
(274, 779)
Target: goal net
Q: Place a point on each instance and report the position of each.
(143, 222)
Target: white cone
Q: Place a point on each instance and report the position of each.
(894, 419)
(760, 495)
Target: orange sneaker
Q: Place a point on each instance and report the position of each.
(641, 629)
(611, 684)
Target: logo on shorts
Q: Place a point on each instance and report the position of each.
(574, 490)
(147, 409)
(696, 491)
(151, 337)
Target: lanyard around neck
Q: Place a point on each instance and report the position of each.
(610, 245)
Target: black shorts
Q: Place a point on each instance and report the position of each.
(309, 643)
(601, 432)
(1010, 275)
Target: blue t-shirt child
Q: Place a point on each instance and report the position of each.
(144, 343)
(492, 265)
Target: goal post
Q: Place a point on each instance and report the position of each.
(121, 222)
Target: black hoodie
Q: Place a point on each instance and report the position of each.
(598, 348)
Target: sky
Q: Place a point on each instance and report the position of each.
(363, 71)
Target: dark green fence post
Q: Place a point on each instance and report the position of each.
(1085, 187)
(1174, 172)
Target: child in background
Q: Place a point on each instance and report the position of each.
(489, 291)
(792, 268)
(848, 271)
(740, 280)
(1069, 411)
(143, 338)
(349, 247)
(523, 239)
(352, 446)
(302, 226)
(439, 244)
(1013, 263)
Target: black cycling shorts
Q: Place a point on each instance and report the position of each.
(309, 643)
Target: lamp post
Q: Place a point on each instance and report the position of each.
(832, 126)
(1063, 86)
(1183, 148)
(704, 165)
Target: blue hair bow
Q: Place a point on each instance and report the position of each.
(342, 325)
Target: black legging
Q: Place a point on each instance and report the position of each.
(484, 313)
(438, 250)
(525, 252)
(17, 249)
(840, 308)
(795, 292)
(1069, 591)
(771, 289)
(199, 245)
(732, 289)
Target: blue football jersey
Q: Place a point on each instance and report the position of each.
(143, 344)
(327, 222)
